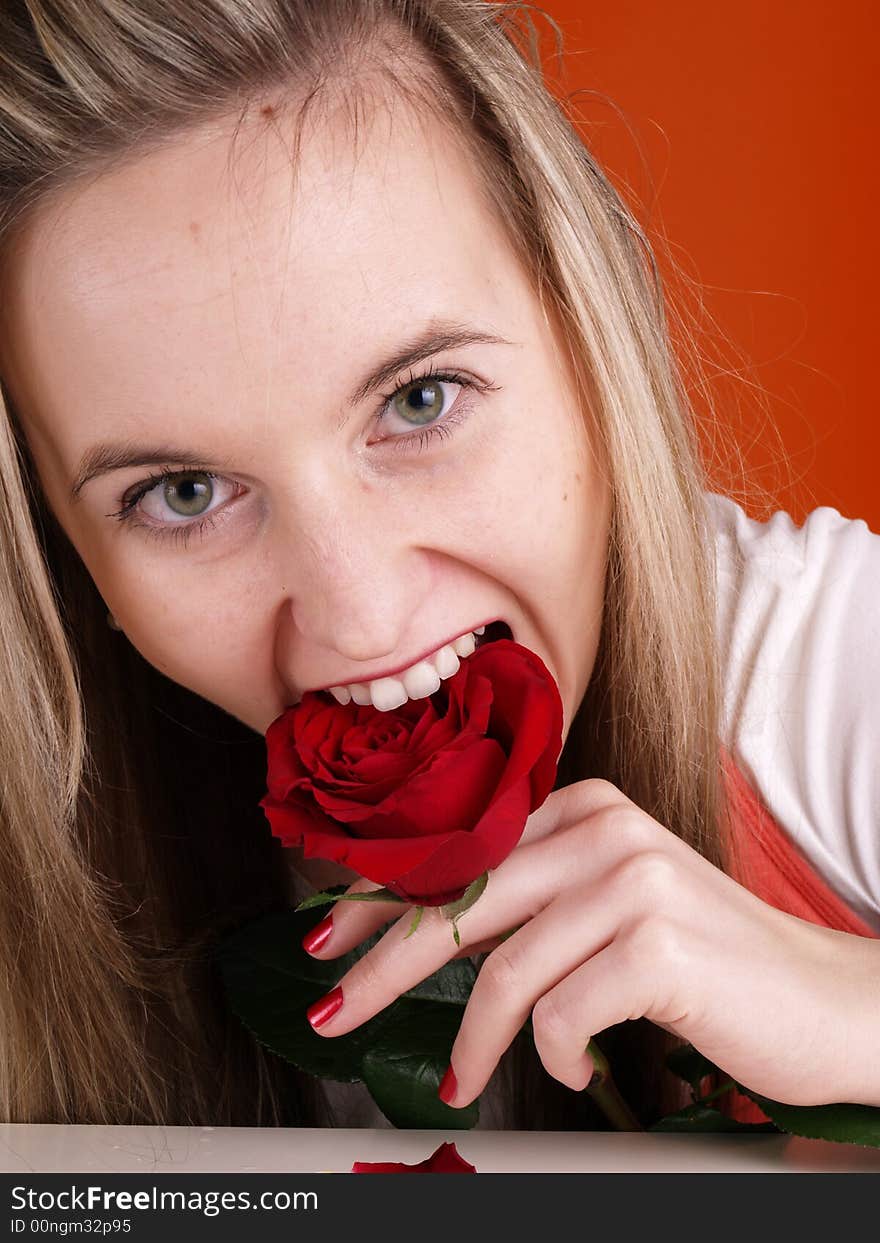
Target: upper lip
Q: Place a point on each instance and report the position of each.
(365, 679)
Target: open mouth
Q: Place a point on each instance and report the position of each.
(494, 631)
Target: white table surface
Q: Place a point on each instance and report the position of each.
(48, 1149)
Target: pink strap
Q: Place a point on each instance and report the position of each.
(775, 870)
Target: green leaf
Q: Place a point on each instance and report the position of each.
(455, 910)
(700, 1118)
(452, 984)
(688, 1063)
(270, 981)
(843, 1123)
(404, 1068)
(372, 895)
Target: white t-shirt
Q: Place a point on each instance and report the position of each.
(799, 634)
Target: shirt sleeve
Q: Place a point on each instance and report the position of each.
(798, 613)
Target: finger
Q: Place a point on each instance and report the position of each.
(472, 951)
(350, 923)
(526, 882)
(518, 973)
(616, 984)
(516, 891)
(573, 802)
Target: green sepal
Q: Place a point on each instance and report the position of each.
(417, 919)
(372, 895)
(455, 910)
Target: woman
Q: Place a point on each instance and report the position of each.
(324, 343)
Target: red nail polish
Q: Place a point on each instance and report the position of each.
(448, 1087)
(322, 1010)
(313, 940)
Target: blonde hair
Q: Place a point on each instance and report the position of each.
(112, 889)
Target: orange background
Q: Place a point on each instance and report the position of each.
(745, 136)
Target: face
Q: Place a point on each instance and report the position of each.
(217, 323)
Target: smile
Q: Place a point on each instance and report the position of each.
(421, 679)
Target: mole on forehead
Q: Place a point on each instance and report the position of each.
(362, 91)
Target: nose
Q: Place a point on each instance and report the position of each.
(356, 581)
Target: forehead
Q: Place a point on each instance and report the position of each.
(228, 290)
(228, 239)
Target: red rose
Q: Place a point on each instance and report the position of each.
(445, 1160)
(427, 797)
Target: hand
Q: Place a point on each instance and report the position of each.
(621, 919)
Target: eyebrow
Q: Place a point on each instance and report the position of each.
(438, 336)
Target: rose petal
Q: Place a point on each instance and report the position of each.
(451, 795)
(429, 796)
(321, 838)
(465, 856)
(444, 1160)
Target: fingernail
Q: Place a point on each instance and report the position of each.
(313, 940)
(448, 1087)
(322, 1010)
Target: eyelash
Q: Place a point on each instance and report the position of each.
(182, 533)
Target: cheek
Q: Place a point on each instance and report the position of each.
(199, 626)
(533, 496)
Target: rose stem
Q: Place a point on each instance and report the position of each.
(725, 1087)
(604, 1092)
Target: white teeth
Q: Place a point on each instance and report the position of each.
(466, 645)
(421, 680)
(417, 682)
(446, 661)
(388, 693)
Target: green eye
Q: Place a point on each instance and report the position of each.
(420, 402)
(187, 496)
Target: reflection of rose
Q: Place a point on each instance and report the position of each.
(445, 1160)
(427, 797)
